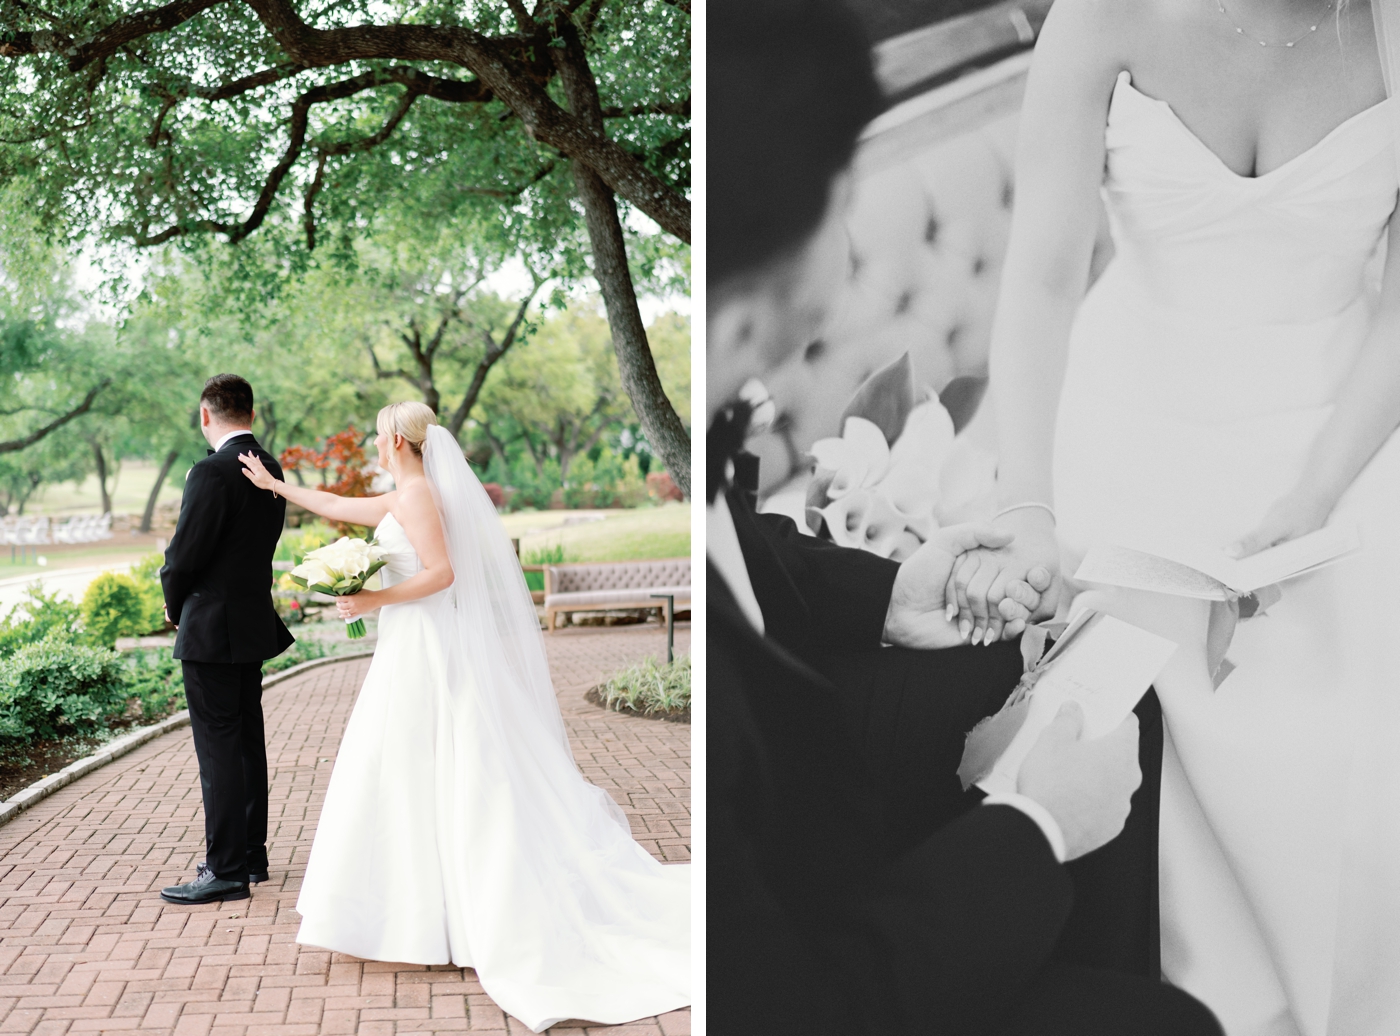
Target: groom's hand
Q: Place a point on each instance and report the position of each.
(166, 609)
(1087, 786)
(918, 615)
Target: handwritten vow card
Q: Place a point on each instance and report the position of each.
(1103, 663)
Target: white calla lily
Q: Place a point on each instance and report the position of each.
(314, 571)
(866, 520)
(868, 442)
(917, 459)
(859, 458)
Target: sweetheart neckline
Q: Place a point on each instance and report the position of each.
(1126, 78)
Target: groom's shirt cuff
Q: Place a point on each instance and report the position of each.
(1033, 809)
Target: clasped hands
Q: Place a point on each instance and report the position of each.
(976, 583)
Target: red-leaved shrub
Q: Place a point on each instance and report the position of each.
(661, 486)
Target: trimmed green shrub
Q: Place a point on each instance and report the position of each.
(156, 681)
(303, 650)
(113, 607)
(37, 616)
(146, 575)
(296, 543)
(53, 688)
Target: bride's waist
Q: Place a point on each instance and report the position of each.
(1126, 350)
(1243, 291)
(430, 603)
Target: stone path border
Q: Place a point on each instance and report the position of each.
(43, 788)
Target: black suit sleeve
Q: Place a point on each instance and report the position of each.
(197, 533)
(970, 917)
(846, 592)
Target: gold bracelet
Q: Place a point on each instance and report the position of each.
(1029, 503)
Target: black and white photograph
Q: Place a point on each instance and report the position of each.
(1053, 370)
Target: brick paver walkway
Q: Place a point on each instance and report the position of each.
(86, 944)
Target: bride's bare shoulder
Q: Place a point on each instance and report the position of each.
(415, 498)
(1101, 36)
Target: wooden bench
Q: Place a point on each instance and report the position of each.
(615, 585)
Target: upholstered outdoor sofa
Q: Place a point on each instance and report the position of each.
(615, 586)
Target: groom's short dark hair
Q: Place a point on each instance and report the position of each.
(228, 397)
(790, 85)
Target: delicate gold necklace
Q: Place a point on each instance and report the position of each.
(1266, 43)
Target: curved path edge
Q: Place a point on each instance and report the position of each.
(42, 789)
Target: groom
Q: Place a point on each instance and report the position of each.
(217, 577)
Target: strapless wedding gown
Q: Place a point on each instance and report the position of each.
(1202, 364)
(433, 849)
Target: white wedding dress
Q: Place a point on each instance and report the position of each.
(1202, 364)
(457, 827)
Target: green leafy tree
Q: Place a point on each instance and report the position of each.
(559, 397)
(218, 118)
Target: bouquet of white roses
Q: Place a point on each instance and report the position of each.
(340, 569)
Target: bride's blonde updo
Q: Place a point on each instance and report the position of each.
(410, 419)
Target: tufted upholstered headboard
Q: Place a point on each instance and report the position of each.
(928, 232)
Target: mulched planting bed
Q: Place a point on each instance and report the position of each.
(22, 765)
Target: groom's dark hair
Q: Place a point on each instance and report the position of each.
(791, 83)
(228, 397)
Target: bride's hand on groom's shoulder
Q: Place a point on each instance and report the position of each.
(1291, 516)
(921, 613)
(257, 474)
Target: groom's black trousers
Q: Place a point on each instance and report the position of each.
(226, 717)
(910, 712)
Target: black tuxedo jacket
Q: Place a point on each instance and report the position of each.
(822, 919)
(217, 575)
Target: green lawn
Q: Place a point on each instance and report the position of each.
(132, 487)
(631, 535)
(120, 549)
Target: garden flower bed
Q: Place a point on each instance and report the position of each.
(648, 689)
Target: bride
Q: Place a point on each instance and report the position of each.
(1232, 379)
(457, 827)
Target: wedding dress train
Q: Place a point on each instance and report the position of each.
(457, 827)
(1202, 364)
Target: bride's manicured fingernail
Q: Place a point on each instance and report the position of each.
(991, 636)
(951, 612)
(964, 629)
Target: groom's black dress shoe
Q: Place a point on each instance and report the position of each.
(205, 889)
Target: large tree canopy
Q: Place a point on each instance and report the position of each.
(303, 121)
